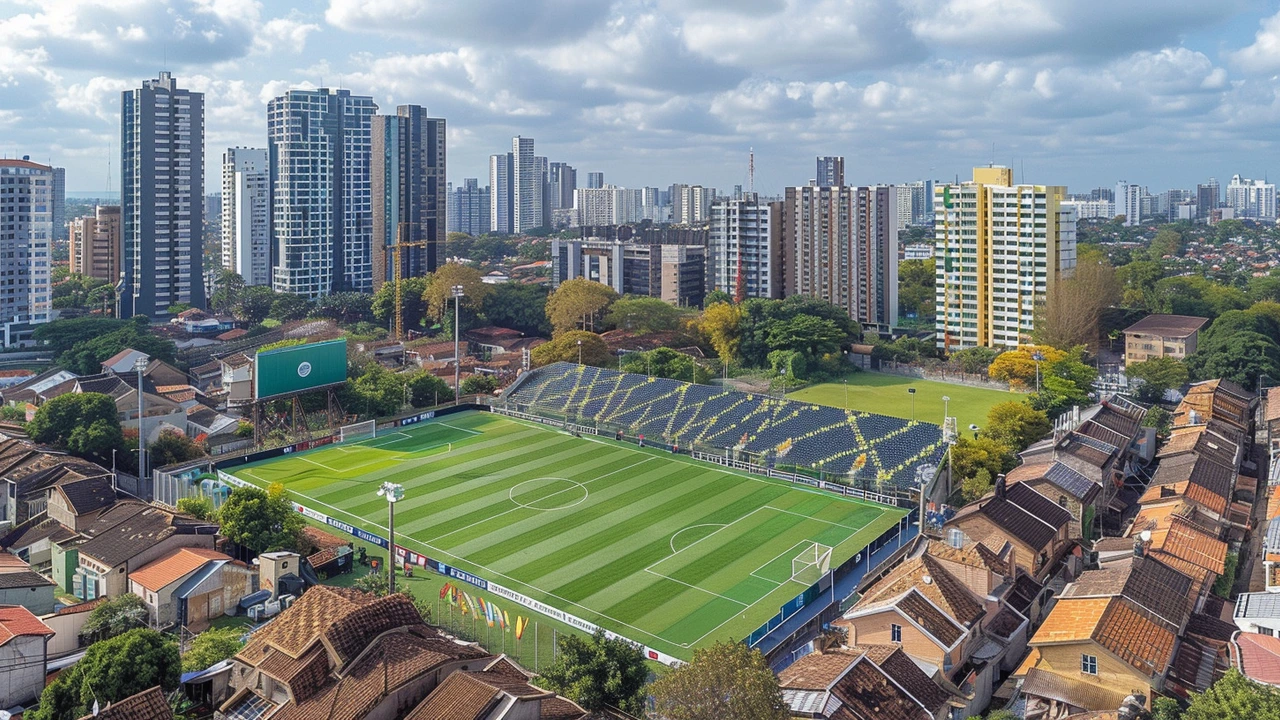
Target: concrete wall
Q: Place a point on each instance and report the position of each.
(67, 627)
(23, 678)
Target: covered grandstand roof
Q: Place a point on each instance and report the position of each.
(877, 450)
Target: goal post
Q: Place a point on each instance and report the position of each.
(811, 563)
(358, 431)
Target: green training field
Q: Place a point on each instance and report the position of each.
(667, 551)
(887, 395)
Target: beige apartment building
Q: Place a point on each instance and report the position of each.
(1161, 336)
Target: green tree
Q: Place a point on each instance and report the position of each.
(666, 363)
(976, 487)
(975, 360)
(375, 392)
(1167, 243)
(520, 307)
(197, 506)
(1016, 424)
(346, 307)
(1241, 358)
(173, 447)
(116, 616)
(1165, 708)
(916, 289)
(261, 520)
(970, 455)
(110, 671)
(646, 315)
(578, 304)
(86, 356)
(564, 348)
(60, 335)
(1235, 697)
(85, 424)
(726, 681)
(1158, 376)
(229, 285)
(479, 385)
(599, 672)
(1158, 418)
(716, 296)
(288, 306)
(1223, 584)
(254, 303)
(411, 302)
(212, 646)
(721, 324)
(426, 390)
(439, 292)
(809, 335)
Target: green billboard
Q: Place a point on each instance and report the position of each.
(299, 368)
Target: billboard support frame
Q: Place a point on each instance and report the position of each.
(297, 426)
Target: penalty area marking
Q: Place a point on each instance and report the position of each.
(695, 542)
(511, 494)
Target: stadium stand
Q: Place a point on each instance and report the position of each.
(856, 448)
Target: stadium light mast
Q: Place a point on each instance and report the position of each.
(579, 352)
(141, 365)
(912, 392)
(457, 357)
(1038, 357)
(392, 492)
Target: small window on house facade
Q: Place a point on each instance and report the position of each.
(1089, 664)
(895, 633)
(1062, 500)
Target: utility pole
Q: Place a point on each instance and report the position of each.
(457, 357)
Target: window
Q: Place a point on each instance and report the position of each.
(895, 633)
(1062, 500)
(955, 538)
(1089, 664)
(1266, 631)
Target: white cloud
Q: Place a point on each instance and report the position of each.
(285, 33)
(500, 23)
(1263, 55)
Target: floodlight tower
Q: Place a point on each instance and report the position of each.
(392, 492)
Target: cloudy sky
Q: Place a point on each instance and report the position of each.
(1081, 93)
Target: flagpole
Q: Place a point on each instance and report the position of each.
(535, 646)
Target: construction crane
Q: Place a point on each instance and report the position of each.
(402, 241)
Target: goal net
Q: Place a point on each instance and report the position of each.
(358, 431)
(811, 564)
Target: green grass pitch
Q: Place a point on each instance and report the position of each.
(662, 549)
(886, 394)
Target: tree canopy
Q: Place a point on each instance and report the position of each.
(212, 646)
(666, 363)
(414, 307)
(599, 672)
(578, 304)
(646, 315)
(173, 447)
(261, 520)
(85, 424)
(1016, 424)
(520, 307)
(439, 292)
(726, 681)
(115, 616)
(1072, 309)
(564, 348)
(112, 670)
(1158, 376)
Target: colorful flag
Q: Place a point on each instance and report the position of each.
(480, 600)
(465, 601)
(453, 596)
(521, 624)
(444, 590)
(506, 621)
(488, 614)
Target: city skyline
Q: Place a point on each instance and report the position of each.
(653, 93)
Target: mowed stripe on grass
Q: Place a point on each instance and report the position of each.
(660, 549)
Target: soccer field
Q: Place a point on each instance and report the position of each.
(886, 394)
(664, 550)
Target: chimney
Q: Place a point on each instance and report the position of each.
(1000, 485)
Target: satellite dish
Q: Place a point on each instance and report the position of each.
(5, 715)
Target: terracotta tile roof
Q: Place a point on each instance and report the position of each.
(816, 671)
(1258, 657)
(304, 675)
(1210, 627)
(1071, 620)
(294, 631)
(1028, 471)
(462, 696)
(128, 528)
(232, 334)
(85, 606)
(934, 621)
(1072, 691)
(322, 540)
(236, 360)
(948, 593)
(1148, 582)
(866, 691)
(17, 621)
(1184, 541)
(146, 705)
(972, 554)
(174, 566)
(1136, 636)
(1173, 326)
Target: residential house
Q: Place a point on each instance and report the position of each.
(208, 377)
(125, 361)
(33, 540)
(1181, 536)
(161, 413)
(499, 691)
(76, 501)
(951, 611)
(199, 322)
(1066, 486)
(1257, 657)
(204, 420)
(868, 682)
(237, 378)
(126, 537)
(20, 585)
(1036, 526)
(1103, 448)
(1220, 400)
(23, 655)
(343, 655)
(488, 342)
(191, 586)
(27, 471)
(36, 390)
(150, 704)
(1154, 336)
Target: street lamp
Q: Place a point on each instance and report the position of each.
(912, 392)
(141, 365)
(457, 357)
(974, 427)
(392, 492)
(846, 393)
(1038, 357)
(946, 403)
(579, 352)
